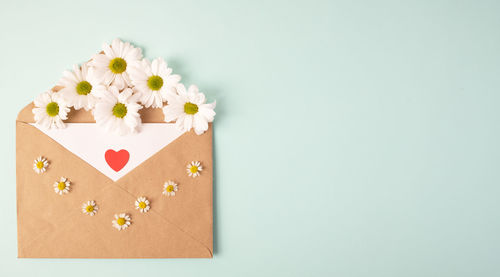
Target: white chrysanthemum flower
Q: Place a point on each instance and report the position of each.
(90, 208)
(62, 186)
(121, 221)
(142, 204)
(169, 188)
(50, 110)
(79, 86)
(189, 110)
(117, 112)
(194, 168)
(153, 81)
(40, 165)
(114, 64)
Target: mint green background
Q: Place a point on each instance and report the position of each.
(353, 138)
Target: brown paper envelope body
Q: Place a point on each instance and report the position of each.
(53, 226)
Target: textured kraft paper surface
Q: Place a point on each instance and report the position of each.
(53, 226)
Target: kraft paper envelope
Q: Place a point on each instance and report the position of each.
(53, 226)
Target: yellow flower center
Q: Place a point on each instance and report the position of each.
(190, 108)
(117, 65)
(193, 169)
(120, 221)
(52, 109)
(89, 208)
(61, 185)
(39, 165)
(142, 205)
(83, 88)
(120, 110)
(169, 188)
(155, 82)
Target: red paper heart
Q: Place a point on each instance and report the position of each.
(116, 160)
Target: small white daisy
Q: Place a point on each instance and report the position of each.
(189, 110)
(121, 221)
(50, 110)
(169, 188)
(153, 81)
(62, 186)
(40, 165)
(117, 111)
(79, 86)
(142, 204)
(194, 168)
(90, 208)
(115, 63)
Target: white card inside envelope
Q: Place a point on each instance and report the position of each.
(101, 149)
